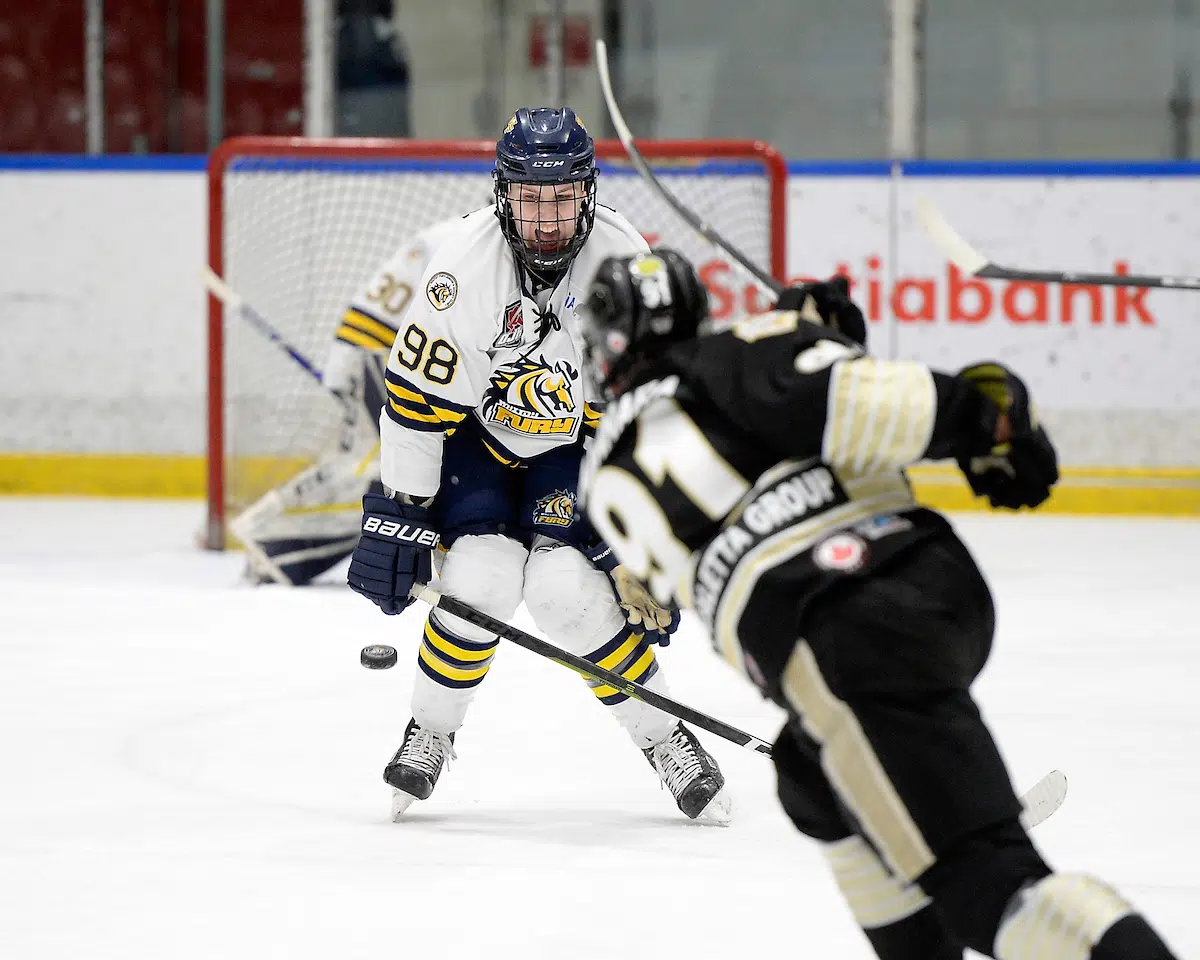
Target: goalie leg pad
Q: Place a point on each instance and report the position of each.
(300, 529)
(1078, 917)
(574, 605)
(299, 561)
(485, 572)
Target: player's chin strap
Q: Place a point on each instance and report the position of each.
(1045, 797)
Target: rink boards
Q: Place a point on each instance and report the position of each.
(105, 353)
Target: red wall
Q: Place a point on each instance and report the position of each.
(154, 74)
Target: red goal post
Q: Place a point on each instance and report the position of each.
(296, 225)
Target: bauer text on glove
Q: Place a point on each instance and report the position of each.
(394, 552)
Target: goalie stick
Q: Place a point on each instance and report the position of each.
(234, 302)
(1038, 803)
(970, 261)
(705, 230)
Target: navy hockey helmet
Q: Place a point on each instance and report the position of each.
(545, 188)
(636, 307)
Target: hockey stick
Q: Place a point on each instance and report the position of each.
(1043, 798)
(233, 301)
(705, 230)
(970, 261)
(1039, 802)
(589, 669)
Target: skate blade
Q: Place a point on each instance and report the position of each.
(719, 809)
(401, 801)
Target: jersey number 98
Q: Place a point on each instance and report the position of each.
(440, 361)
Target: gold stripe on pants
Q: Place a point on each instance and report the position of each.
(853, 769)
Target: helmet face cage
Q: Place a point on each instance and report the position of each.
(546, 224)
(545, 179)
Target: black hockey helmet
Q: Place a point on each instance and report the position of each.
(636, 307)
(545, 148)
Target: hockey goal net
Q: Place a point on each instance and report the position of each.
(296, 226)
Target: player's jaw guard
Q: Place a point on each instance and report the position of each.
(545, 147)
(635, 308)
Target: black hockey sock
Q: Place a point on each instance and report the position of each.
(921, 936)
(1131, 938)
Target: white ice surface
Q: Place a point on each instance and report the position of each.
(190, 767)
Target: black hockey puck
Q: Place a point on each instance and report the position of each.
(378, 657)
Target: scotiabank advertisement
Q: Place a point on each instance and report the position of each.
(1113, 370)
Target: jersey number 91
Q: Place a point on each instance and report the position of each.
(630, 517)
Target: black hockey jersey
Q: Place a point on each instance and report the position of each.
(753, 469)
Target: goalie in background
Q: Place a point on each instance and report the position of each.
(757, 475)
(297, 531)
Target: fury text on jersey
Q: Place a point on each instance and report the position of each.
(528, 396)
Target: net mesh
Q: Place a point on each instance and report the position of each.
(302, 234)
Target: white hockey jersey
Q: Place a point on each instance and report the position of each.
(376, 311)
(474, 345)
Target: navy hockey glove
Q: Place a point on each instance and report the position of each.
(1019, 471)
(662, 635)
(831, 299)
(641, 609)
(394, 552)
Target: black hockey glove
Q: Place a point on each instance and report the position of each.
(831, 299)
(1017, 473)
(394, 552)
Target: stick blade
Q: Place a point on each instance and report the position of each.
(948, 240)
(1043, 798)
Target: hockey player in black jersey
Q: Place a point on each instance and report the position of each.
(756, 475)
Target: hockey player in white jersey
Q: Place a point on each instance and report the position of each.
(300, 529)
(482, 436)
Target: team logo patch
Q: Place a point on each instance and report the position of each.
(513, 331)
(442, 290)
(528, 396)
(843, 552)
(556, 510)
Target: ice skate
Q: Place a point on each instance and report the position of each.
(692, 775)
(413, 772)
